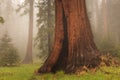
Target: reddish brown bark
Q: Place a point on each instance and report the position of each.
(74, 46)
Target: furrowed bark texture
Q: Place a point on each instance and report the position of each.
(74, 46)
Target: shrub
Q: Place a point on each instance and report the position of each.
(8, 53)
(107, 46)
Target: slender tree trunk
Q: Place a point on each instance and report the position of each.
(95, 14)
(105, 20)
(74, 46)
(28, 57)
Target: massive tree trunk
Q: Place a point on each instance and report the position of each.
(28, 56)
(73, 46)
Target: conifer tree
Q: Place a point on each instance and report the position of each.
(8, 53)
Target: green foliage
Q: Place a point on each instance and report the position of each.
(45, 24)
(24, 8)
(42, 42)
(108, 46)
(1, 20)
(8, 53)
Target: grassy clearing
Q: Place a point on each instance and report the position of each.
(26, 72)
(23, 72)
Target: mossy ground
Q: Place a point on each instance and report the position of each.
(27, 72)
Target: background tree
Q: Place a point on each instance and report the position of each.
(8, 53)
(74, 47)
(105, 18)
(28, 57)
(30, 10)
(45, 24)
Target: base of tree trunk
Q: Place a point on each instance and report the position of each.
(27, 61)
(74, 47)
(93, 64)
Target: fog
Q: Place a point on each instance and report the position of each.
(103, 14)
(16, 25)
(105, 19)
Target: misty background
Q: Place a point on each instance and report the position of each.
(103, 14)
(16, 25)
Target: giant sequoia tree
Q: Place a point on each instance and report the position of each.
(73, 46)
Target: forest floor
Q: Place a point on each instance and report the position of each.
(26, 72)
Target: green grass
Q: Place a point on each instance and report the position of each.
(26, 72)
(23, 72)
